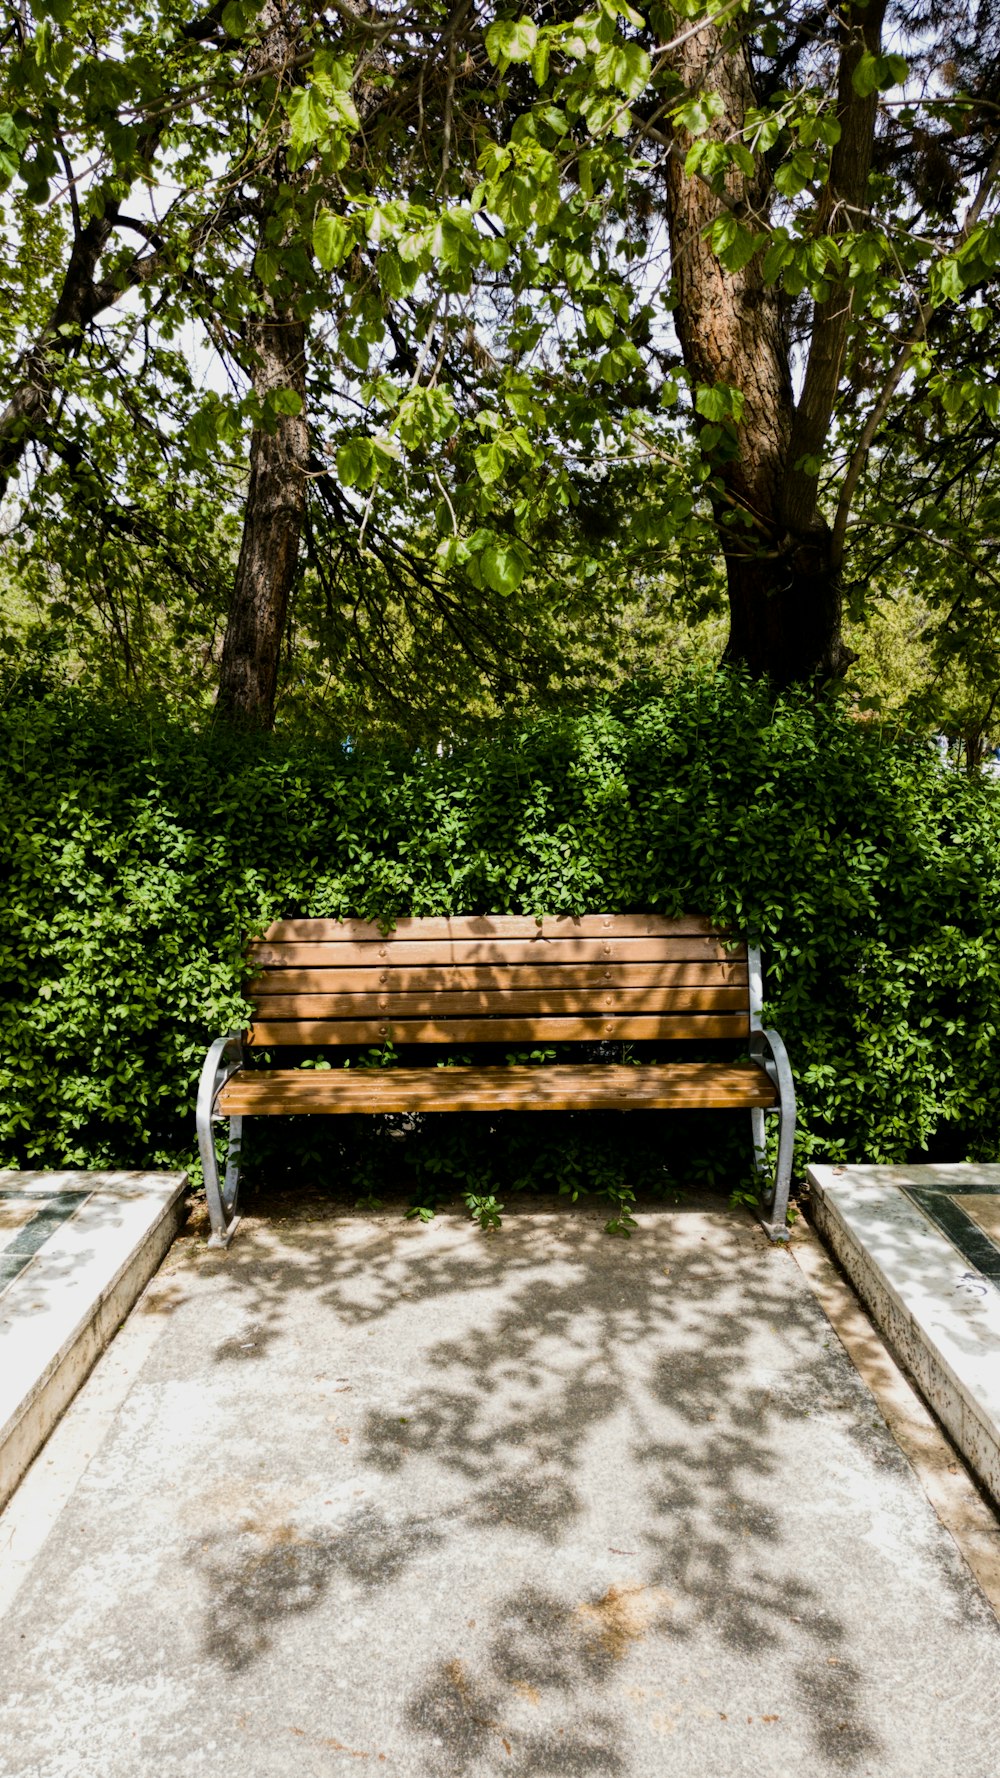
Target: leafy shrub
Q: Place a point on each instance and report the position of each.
(138, 857)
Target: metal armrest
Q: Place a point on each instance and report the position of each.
(224, 1059)
(767, 1048)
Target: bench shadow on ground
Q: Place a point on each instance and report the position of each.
(505, 1408)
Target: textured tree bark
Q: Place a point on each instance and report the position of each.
(783, 580)
(274, 513)
(272, 530)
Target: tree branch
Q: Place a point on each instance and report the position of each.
(859, 457)
(60, 339)
(850, 163)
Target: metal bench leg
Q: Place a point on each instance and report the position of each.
(224, 1059)
(769, 1049)
(759, 1141)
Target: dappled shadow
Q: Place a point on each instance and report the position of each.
(535, 1349)
(538, 1650)
(255, 1579)
(269, 1570)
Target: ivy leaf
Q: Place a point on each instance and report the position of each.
(332, 73)
(511, 40)
(425, 415)
(284, 402)
(236, 17)
(865, 77)
(503, 566)
(267, 264)
(308, 118)
(491, 460)
(732, 243)
(625, 66)
(763, 128)
(540, 61)
(356, 465)
(713, 404)
(453, 241)
(876, 73)
(577, 267)
(601, 320)
(794, 175)
(344, 112)
(867, 251)
(947, 281)
(333, 238)
(742, 158)
(697, 115)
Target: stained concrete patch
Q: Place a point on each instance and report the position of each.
(76, 1249)
(921, 1245)
(545, 1504)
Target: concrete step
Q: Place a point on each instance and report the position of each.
(76, 1249)
(921, 1245)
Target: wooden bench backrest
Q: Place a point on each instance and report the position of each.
(499, 978)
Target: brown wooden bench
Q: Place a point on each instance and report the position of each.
(498, 979)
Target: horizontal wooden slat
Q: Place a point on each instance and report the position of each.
(502, 926)
(437, 953)
(509, 1003)
(524, 976)
(269, 1033)
(687, 1086)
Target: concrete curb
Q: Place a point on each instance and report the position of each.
(61, 1310)
(940, 1469)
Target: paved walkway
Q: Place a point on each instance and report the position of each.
(384, 1497)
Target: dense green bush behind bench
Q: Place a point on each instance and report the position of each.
(137, 857)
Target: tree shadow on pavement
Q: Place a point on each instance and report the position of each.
(541, 1359)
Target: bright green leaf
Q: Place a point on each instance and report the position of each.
(333, 239)
(511, 40)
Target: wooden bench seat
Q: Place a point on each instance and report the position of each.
(585, 1087)
(449, 985)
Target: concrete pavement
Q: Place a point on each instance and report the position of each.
(388, 1497)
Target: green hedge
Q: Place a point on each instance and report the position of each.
(137, 857)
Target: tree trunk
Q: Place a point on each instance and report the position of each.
(279, 452)
(272, 530)
(784, 582)
(785, 613)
